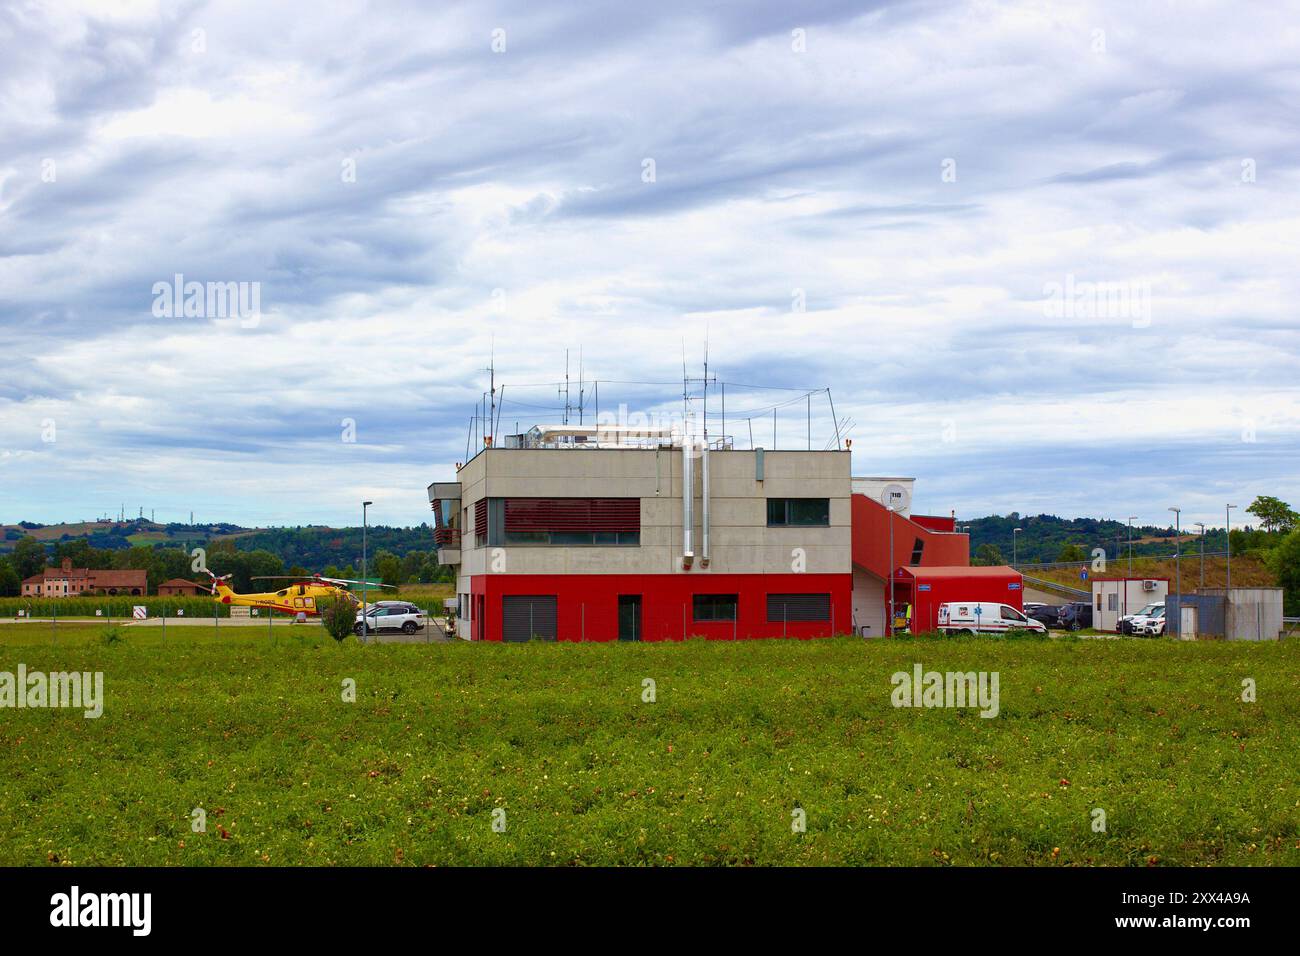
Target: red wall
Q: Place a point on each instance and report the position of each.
(925, 604)
(587, 605)
(871, 541)
(935, 522)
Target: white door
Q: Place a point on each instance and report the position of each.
(1187, 625)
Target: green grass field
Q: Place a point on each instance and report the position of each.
(741, 734)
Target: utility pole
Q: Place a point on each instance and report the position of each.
(365, 621)
(1131, 519)
(1178, 567)
(1227, 530)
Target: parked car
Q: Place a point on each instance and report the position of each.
(1153, 625)
(1076, 615)
(1128, 623)
(391, 616)
(983, 617)
(1048, 615)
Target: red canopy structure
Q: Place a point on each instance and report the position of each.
(926, 588)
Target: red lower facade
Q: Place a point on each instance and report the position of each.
(587, 606)
(927, 588)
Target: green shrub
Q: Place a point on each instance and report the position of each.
(338, 615)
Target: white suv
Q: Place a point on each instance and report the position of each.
(391, 616)
(1129, 623)
(1152, 625)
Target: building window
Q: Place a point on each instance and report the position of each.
(569, 522)
(798, 607)
(480, 523)
(798, 512)
(715, 607)
(918, 549)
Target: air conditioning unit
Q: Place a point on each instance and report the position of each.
(1148, 585)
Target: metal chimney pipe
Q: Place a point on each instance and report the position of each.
(704, 505)
(688, 502)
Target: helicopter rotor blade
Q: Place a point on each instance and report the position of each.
(350, 581)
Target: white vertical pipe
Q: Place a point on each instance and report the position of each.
(704, 505)
(688, 501)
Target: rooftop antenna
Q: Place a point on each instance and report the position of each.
(566, 387)
(492, 384)
(686, 380)
(706, 384)
(685, 410)
(833, 418)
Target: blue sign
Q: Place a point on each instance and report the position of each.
(923, 587)
(1013, 586)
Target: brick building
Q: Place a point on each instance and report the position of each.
(65, 581)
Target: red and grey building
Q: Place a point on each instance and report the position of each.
(610, 532)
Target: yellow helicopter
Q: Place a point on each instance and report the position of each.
(302, 596)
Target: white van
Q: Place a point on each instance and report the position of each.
(984, 617)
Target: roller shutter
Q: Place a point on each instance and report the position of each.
(798, 607)
(572, 514)
(525, 616)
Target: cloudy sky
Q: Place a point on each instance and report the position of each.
(1046, 259)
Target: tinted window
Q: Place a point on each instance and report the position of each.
(715, 607)
(801, 512)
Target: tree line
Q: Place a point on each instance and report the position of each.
(244, 564)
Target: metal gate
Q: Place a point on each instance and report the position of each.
(528, 616)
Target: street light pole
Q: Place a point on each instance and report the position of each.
(1014, 532)
(1227, 530)
(1178, 573)
(1201, 525)
(365, 624)
(891, 572)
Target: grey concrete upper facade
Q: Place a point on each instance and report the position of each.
(740, 540)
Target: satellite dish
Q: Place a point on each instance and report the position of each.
(895, 497)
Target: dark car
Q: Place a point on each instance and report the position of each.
(1049, 615)
(1076, 615)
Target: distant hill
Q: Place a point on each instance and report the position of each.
(312, 546)
(1247, 571)
(119, 535)
(1044, 537)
